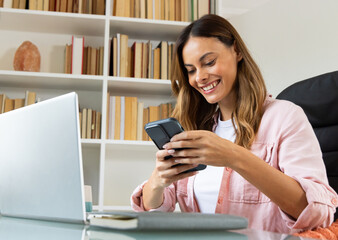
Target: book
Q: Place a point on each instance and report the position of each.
(19, 102)
(68, 58)
(80, 122)
(15, 4)
(63, 5)
(154, 113)
(166, 9)
(114, 41)
(93, 57)
(51, 5)
(33, 5)
(140, 107)
(130, 63)
(122, 114)
(77, 54)
(2, 102)
(178, 10)
(145, 136)
(157, 62)
(111, 117)
(167, 221)
(89, 123)
(157, 9)
(143, 10)
(70, 4)
(144, 59)
(101, 50)
(123, 60)
(149, 9)
(93, 125)
(194, 5)
(137, 9)
(137, 59)
(87, 56)
(9, 105)
(172, 10)
(132, 8)
(164, 59)
(117, 131)
(164, 113)
(84, 123)
(126, 4)
(30, 98)
(98, 125)
(130, 122)
(119, 8)
(108, 115)
(203, 7)
(163, 10)
(150, 60)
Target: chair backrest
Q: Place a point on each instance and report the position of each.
(318, 96)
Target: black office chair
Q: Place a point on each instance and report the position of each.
(318, 96)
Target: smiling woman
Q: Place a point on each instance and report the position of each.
(263, 158)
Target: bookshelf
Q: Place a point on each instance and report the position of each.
(112, 167)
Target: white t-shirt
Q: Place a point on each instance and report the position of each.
(208, 181)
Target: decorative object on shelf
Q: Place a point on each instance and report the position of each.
(27, 58)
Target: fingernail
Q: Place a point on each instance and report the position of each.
(177, 161)
(165, 146)
(171, 151)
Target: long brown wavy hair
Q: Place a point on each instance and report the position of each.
(192, 109)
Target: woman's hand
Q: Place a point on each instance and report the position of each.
(202, 147)
(165, 172)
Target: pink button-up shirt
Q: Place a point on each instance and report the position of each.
(286, 141)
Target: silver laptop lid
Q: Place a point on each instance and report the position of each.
(41, 174)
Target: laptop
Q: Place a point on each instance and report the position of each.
(41, 174)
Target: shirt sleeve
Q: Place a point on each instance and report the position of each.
(169, 199)
(300, 157)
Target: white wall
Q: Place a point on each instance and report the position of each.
(291, 40)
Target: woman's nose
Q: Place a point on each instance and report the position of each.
(201, 76)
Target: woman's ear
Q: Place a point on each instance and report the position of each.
(239, 54)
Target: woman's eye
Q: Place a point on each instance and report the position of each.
(211, 63)
(191, 71)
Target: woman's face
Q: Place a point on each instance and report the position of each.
(212, 68)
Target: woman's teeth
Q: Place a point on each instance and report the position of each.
(211, 86)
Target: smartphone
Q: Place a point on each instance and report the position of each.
(162, 131)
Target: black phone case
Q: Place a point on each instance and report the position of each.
(162, 131)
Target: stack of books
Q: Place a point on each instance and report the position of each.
(7, 104)
(172, 10)
(90, 123)
(83, 60)
(71, 6)
(140, 60)
(126, 117)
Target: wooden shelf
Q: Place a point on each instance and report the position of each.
(53, 22)
(50, 80)
(139, 28)
(136, 85)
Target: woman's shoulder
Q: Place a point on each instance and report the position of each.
(278, 107)
(282, 114)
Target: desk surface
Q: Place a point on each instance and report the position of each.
(24, 229)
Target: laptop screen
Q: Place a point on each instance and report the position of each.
(41, 174)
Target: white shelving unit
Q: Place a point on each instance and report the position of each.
(113, 168)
